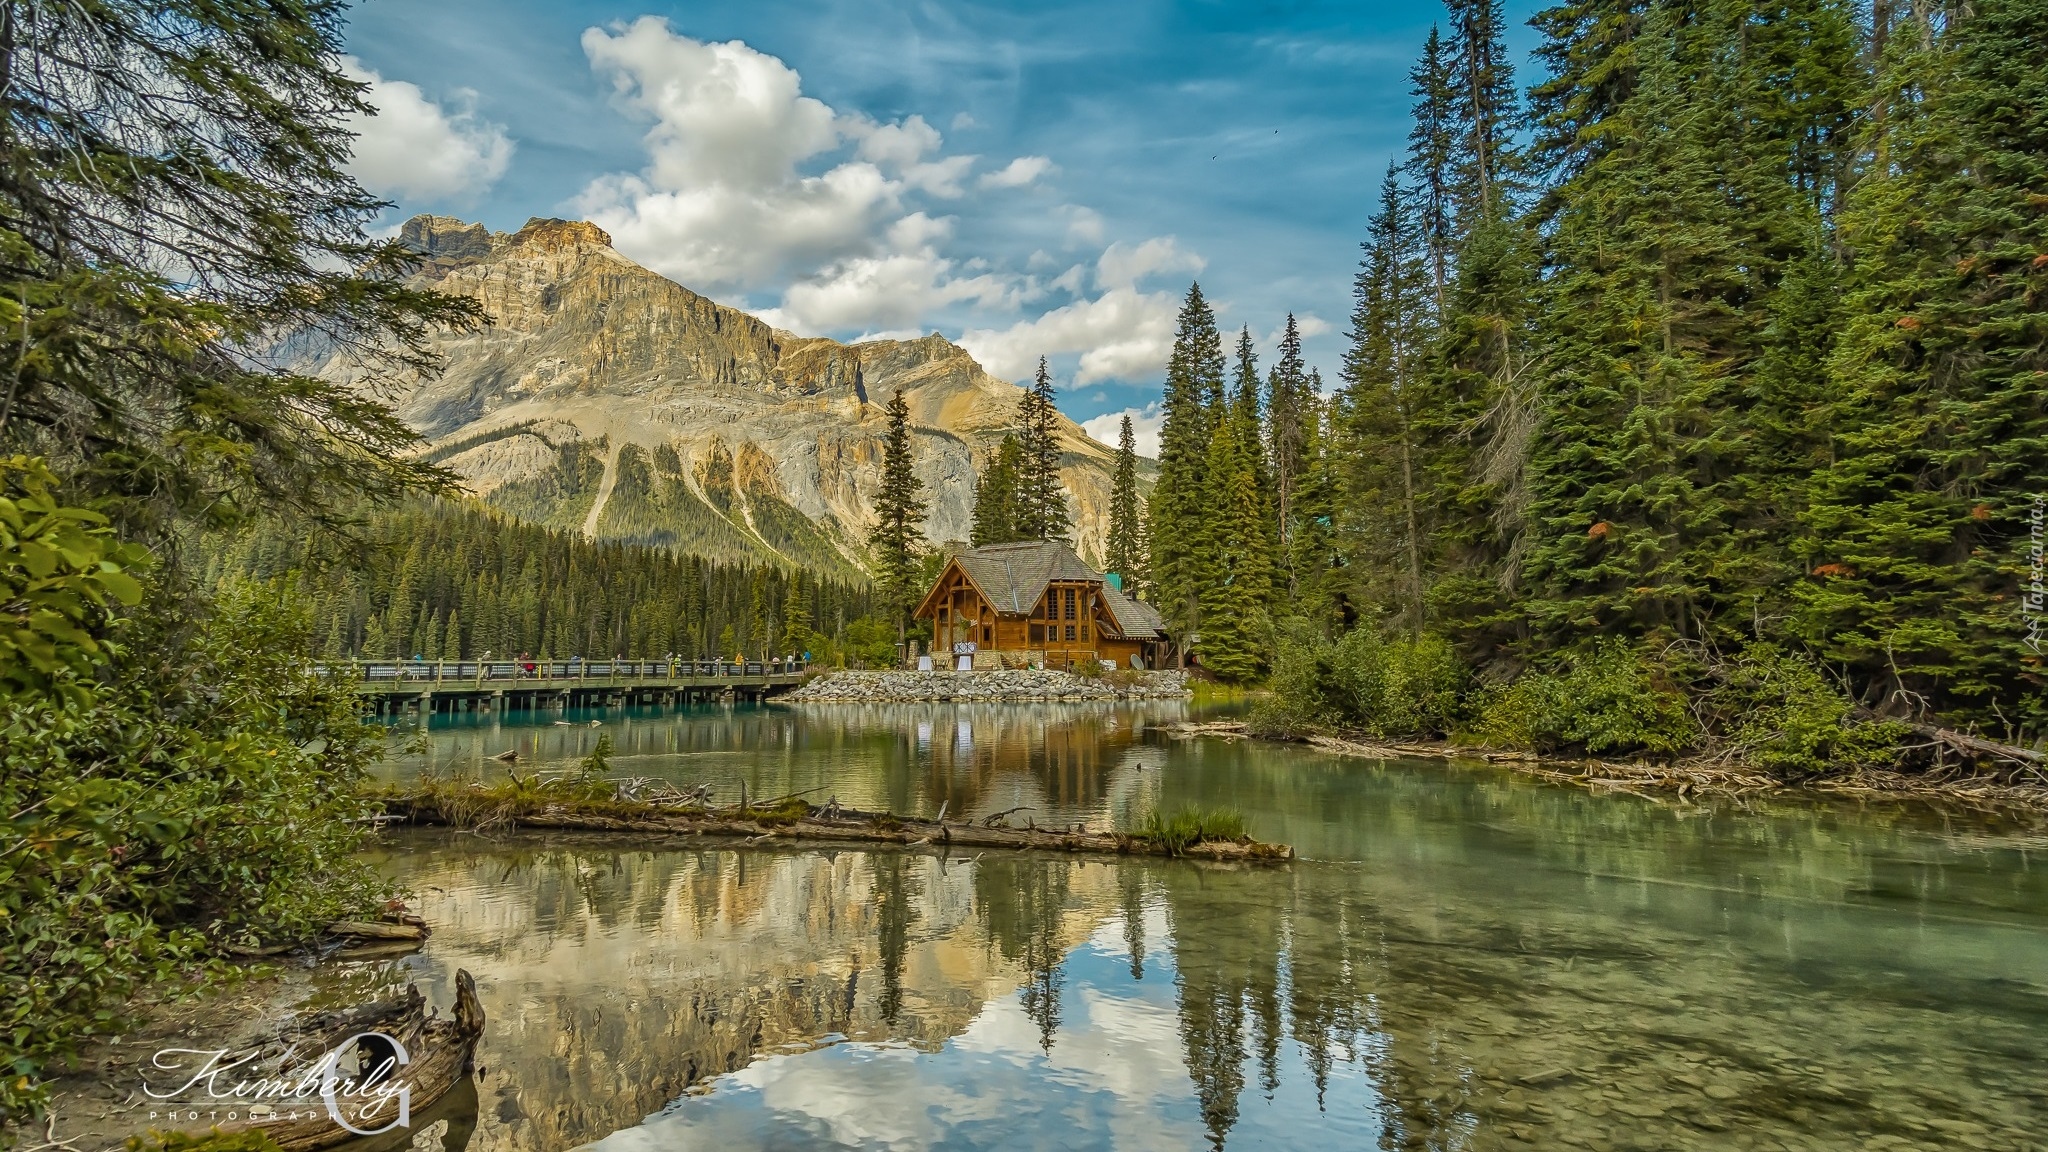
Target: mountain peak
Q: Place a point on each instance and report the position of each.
(552, 235)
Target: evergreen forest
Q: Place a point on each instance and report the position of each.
(1696, 398)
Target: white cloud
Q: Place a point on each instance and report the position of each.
(901, 144)
(1122, 265)
(750, 184)
(1121, 334)
(893, 289)
(1084, 225)
(962, 121)
(414, 148)
(1145, 423)
(722, 201)
(1018, 173)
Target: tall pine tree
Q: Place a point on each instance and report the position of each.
(1126, 544)
(896, 543)
(1177, 525)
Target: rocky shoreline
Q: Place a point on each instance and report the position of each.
(1000, 687)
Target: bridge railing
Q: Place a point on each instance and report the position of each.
(568, 671)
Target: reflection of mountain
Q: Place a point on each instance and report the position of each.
(1064, 762)
(616, 980)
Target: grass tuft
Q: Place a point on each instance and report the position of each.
(1189, 826)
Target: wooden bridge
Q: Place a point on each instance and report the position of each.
(396, 687)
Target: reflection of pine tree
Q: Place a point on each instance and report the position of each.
(893, 915)
(1022, 903)
(1131, 887)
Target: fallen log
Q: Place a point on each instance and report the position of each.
(849, 826)
(439, 1055)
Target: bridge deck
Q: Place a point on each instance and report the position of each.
(430, 678)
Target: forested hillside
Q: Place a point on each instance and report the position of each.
(1716, 357)
(453, 581)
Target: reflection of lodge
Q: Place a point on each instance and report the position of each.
(1037, 603)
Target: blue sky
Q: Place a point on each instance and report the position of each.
(1025, 178)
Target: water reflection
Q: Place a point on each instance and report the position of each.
(1800, 980)
(1056, 762)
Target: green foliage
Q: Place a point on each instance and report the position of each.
(599, 762)
(209, 139)
(1125, 546)
(62, 574)
(996, 495)
(1388, 687)
(897, 543)
(1782, 714)
(871, 643)
(1186, 827)
(1605, 700)
(1041, 501)
(199, 792)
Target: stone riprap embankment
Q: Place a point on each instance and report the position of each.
(1020, 686)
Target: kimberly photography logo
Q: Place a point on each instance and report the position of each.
(218, 1087)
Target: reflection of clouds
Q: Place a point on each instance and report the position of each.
(1114, 1079)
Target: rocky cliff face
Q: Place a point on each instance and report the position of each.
(608, 399)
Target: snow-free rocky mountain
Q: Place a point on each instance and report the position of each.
(609, 400)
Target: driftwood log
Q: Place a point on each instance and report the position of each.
(442, 1053)
(849, 826)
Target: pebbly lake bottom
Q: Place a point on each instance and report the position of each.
(1463, 959)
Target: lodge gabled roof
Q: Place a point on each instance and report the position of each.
(1012, 578)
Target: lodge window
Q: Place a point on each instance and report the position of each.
(1070, 611)
(1070, 631)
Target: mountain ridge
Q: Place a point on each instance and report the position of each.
(607, 399)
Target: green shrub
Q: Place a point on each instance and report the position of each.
(1396, 687)
(1782, 714)
(171, 794)
(1406, 686)
(1607, 699)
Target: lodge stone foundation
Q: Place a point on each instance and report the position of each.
(1019, 685)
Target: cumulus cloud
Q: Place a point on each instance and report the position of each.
(750, 185)
(1018, 173)
(1145, 424)
(1122, 265)
(723, 201)
(1084, 225)
(413, 148)
(1122, 334)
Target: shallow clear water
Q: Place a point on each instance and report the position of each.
(1462, 959)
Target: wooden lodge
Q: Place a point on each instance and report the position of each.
(1013, 605)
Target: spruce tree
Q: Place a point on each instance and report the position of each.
(996, 513)
(1385, 391)
(896, 543)
(1177, 516)
(1288, 403)
(1041, 495)
(1237, 583)
(1432, 153)
(1922, 544)
(1126, 544)
(1482, 83)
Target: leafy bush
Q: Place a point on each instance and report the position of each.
(1780, 713)
(1389, 687)
(1605, 699)
(184, 793)
(1189, 826)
